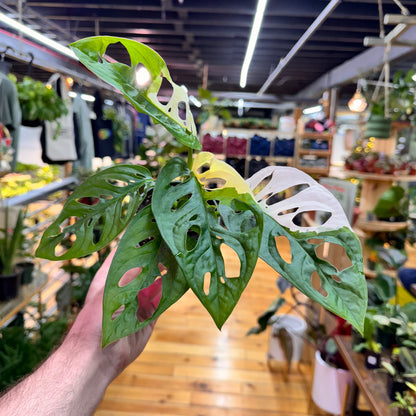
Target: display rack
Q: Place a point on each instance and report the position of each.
(272, 135)
(313, 151)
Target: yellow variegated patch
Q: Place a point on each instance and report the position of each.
(219, 170)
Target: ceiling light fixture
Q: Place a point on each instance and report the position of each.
(37, 36)
(358, 103)
(258, 18)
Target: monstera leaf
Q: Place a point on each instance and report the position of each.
(143, 247)
(109, 199)
(91, 52)
(341, 290)
(195, 222)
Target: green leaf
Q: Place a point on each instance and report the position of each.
(346, 289)
(264, 318)
(389, 203)
(141, 246)
(91, 52)
(109, 199)
(342, 291)
(195, 222)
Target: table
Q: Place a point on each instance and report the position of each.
(26, 293)
(371, 383)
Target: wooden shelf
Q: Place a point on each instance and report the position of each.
(26, 293)
(380, 177)
(307, 169)
(316, 136)
(376, 226)
(316, 152)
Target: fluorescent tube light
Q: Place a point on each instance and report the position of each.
(258, 18)
(312, 110)
(85, 97)
(37, 36)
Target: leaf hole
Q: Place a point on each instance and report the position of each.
(203, 168)
(207, 282)
(119, 50)
(336, 278)
(129, 276)
(315, 241)
(193, 218)
(180, 180)
(214, 183)
(65, 244)
(124, 206)
(262, 184)
(288, 211)
(181, 202)
(145, 241)
(317, 284)
(222, 280)
(334, 254)
(282, 243)
(117, 183)
(117, 312)
(146, 298)
(192, 237)
(182, 110)
(88, 200)
(165, 92)
(106, 197)
(232, 262)
(162, 269)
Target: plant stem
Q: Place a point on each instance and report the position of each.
(190, 158)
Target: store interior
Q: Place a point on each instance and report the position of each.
(295, 119)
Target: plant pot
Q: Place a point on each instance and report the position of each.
(9, 285)
(395, 386)
(403, 412)
(31, 123)
(377, 126)
(329, 386)
(296, 327)
(372, 360)
(27, 271)
(386, 337)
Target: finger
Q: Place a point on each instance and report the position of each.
(100, 277)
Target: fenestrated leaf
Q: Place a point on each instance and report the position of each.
(109, 199)
(195, 223)
(141, 246)
(343, 291)
(91, 52)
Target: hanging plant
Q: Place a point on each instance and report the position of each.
(38, 102)
(176, 225)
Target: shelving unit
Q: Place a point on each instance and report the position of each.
(310, 159)
(246, 134)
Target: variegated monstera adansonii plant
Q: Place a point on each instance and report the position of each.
(177, 237)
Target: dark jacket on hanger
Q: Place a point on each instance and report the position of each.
(10, 113)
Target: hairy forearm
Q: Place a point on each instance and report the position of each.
(70, 383)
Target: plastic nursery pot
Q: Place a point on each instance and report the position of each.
(27, 272)
(9, 285)
(395, 386)
(378, 126)
(386, 337)
(372, 360)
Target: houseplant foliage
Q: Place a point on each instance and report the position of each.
(177, 236)
(38, 102)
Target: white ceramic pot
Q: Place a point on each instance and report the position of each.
(296, 327)
(329, 386)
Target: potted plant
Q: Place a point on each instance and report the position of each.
(400, 369)
(38, 102)
(392, 205)
(406, 402)
(178, 222)
(11, 236)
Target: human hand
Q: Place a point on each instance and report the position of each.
(88, 325)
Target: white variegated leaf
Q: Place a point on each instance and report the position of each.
(315, 197)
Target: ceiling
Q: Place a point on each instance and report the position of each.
(208, 38)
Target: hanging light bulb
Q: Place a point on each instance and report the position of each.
(358, 103)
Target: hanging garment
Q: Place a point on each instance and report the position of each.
(10, 113)
(102, 130)
(58, 136)
(85, 136)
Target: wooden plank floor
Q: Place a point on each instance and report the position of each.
(191, 368)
